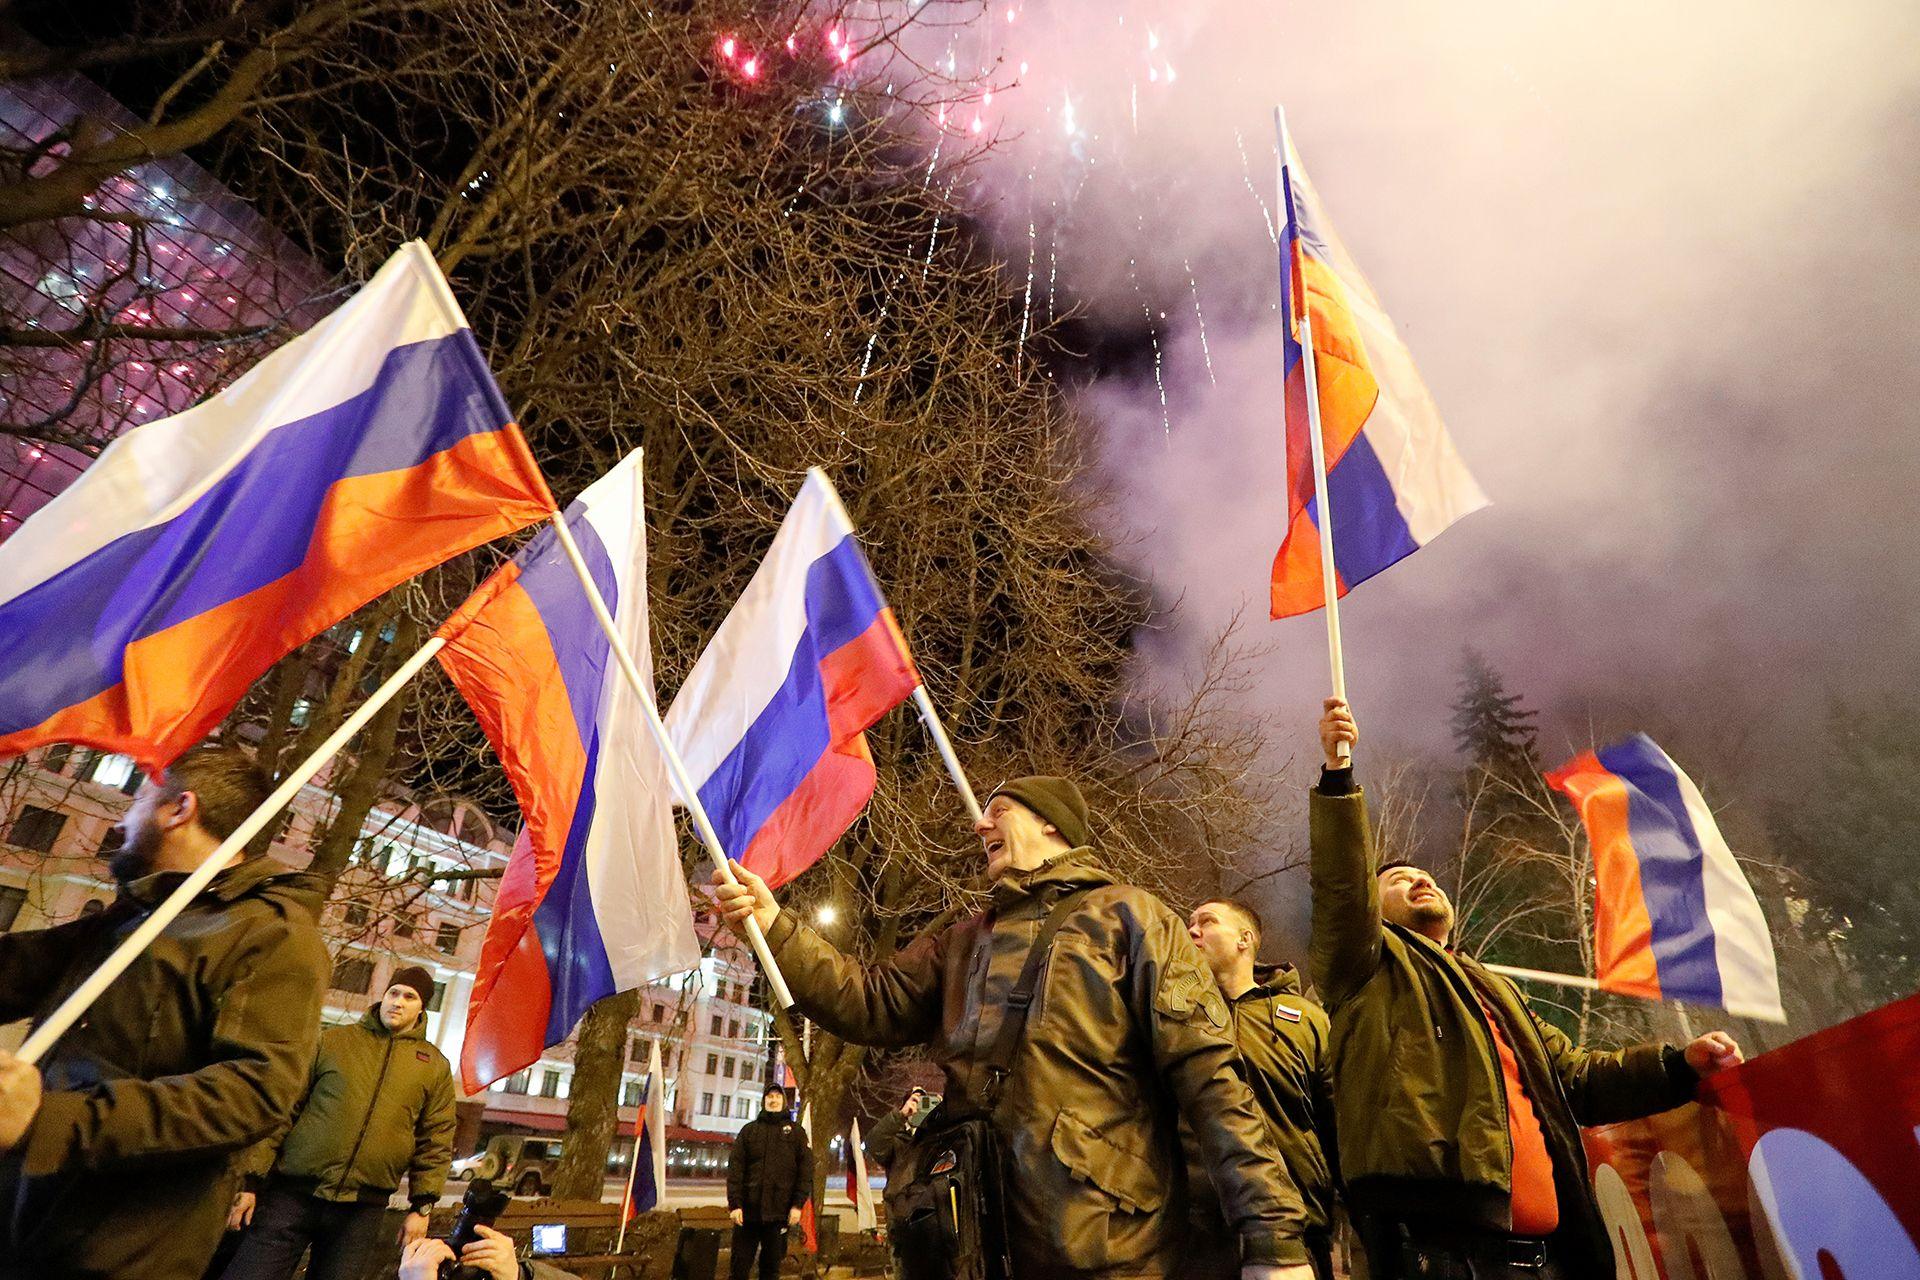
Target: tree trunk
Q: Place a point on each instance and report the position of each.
(594, 1110)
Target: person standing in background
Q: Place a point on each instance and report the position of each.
(769, 1180)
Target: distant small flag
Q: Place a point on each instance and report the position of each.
(1674, 916)
(593, 900)
(772, 719)
(138, 606)
(859, 1189)
(1394, 476)
(650, 1139)
(809, 1227)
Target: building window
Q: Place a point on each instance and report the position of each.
(716, 1017)
(733, 1030)
(630, 1094)
(713, 1063)
(706, 1104)
(438, 998)
(352, 974)
(55, 759)
(117, 771)
(726, 1068)
(549, 1084)
(403, 925)
(449, 938)
(38, 828)
(517, 1082)
(12, 898)
(659, 1012)
(356, 914)
(725, 1107)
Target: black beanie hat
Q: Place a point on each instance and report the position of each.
(418, 978)
(1057, 801)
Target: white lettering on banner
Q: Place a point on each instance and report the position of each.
(1687, 1220)
(1632, 1255)
(1831, 1223)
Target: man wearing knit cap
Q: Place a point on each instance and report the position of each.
(1126, 1033)
(378, 1104)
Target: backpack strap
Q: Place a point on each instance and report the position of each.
(1020, 999)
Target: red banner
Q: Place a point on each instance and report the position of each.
(1803, 1164)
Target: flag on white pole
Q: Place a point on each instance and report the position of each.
(859, 1190)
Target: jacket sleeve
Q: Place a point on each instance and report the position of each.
(33, 962)
(803, 1168)
(432, 1140)
(892, 1004)
(883, 1143)
(264, 1033)
(737, 1157)
(1345, 945)
(1605, 1087)
(1320, 1082)
(1177, 1000)
(257, 1163)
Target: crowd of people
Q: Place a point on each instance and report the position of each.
(1163, 1104)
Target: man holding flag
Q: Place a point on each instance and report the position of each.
(1458, 1109)
(1126, 1030)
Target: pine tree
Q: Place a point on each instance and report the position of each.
(1489, 726)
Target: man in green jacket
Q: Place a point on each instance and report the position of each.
(1282, 1039)
(123, 1166)
(1458, 1108)
(1126, 1031)
(379, 1104)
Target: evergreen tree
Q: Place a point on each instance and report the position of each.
(1489, 726)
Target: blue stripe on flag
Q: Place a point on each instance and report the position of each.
(790, 734)
(1369, 533)
(1672, 866)
(62, 641)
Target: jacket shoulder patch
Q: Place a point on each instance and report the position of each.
(1284, 1013)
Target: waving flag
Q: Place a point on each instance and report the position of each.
(593, 900)
(137, 606)
(859, 1189)
(772, 720)
(1674, 916)
(1393, 477)
(650, 1140)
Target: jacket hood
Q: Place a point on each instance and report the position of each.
(1275, 980)
(371, 1021)
(256, 875)
(1064, 872)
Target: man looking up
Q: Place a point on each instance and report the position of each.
(123, 1166)
(1126, 1030)
(769, 1180)
(1282, 1039)
(1459, 1109)
(378, 1105)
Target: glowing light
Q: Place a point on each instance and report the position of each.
(833, 37)
(846, 53)
(1153, 40)
(750, 68)
(1066, 116)
(1009, 14)
(1153, 75)
(976, 124)
(836, 113)
(727, 47)
(988, 100)
(791, 44)
(827, 914)
(1169, 73)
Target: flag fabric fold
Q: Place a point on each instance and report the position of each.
(859, 1189)
(1674, 916)
(772, 720)
(138, 606)
(1393, 475)
(593, 900)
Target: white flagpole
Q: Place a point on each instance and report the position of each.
(633, 1167)
(47, 1033)
(1328, 585)
(682, 780)
(1541, 975)
(922, 703)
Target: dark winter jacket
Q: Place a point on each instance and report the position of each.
(377, 1106)
(1418, 1093)
(1282, 1039)
(883, 1143)
(770, 1170)
(1127, 1030)
(192, 1055)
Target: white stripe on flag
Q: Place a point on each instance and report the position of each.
(1742, 946)
(861, 1192)
(657, 1122)
(634, 877)
(156, 471)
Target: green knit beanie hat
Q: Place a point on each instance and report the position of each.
(1057, 801)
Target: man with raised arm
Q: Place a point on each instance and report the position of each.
(1458, 1108)
(1126, 1031)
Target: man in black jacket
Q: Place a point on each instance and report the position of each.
(769, 1177)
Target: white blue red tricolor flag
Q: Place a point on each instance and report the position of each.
(1394, 479)
(593, 900)
(137, 606)
(1674, 916)
(772, 720)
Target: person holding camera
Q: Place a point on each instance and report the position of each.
(1125, 1031)
(490, 1257)
(883, 1143)
(378, 1106)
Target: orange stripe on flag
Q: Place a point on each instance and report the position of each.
(1623, 931)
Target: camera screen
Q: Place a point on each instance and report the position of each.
(550, 1237)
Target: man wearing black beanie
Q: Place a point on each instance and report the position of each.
(378, 1105)
(1126, 1033)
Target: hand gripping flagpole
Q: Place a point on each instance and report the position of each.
(682, 780)
(1329, 587)
(47, 1033)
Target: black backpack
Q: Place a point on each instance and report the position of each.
(945, 1215)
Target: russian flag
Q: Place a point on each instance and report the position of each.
(772, 721)
(593, 900)
(138, 606)
(1393, 477)
(1674, 916)
(649, 1181)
